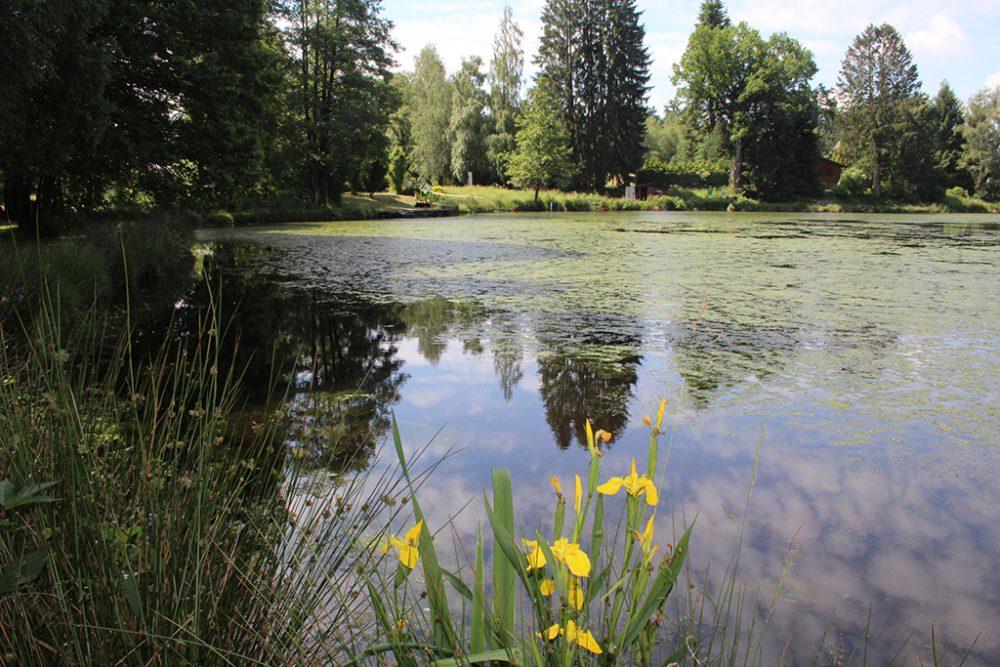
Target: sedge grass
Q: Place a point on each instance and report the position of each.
(169, 538)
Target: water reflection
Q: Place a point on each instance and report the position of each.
(861, 351)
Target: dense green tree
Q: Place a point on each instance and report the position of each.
(430, 117)
(59, 101)
(544, 157)
(712, 14)
(468, 127)
(625, 91)
(505, 78)
(877, 84)
(950, 143)
(664, 137)
(593, 61)
(781, 141)
(228, 64)
(826, 127)
(342, 98)
(752, 93)
(982, 142)
(911, 168)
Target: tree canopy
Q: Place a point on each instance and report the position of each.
(878, 80)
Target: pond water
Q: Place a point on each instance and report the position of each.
(855, 357)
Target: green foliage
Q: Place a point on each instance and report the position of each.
(982, 136)
(664, 137)
(399, 166)
(220, 218)
(853, 183)
(878, 82)
(687, 173)
(754, 94)
(506, 77)
(342, 96)
(712, 14)
(429, 104)
(167, 506)
(610, 598)
(543, 157)
(949, 140)
(468, 127)
(595, 66)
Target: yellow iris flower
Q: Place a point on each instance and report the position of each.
(634, 484)
(536, 558)
(645, 539)
(554, 481)
(407, 547)
(570, 553)
(573, 635)
(548, 587)
(564, 551)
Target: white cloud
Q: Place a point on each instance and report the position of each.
(943, 36)
(993, 80)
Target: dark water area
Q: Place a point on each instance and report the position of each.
(845, 367)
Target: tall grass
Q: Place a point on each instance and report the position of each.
(143, 522)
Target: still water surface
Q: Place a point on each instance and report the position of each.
(861, 354)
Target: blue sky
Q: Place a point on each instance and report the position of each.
(955, 40)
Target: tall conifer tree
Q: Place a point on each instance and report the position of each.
(878, 80)
(593, 60)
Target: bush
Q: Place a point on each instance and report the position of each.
(220, 218)
(956, 193)
(853, 183)
(686, 173)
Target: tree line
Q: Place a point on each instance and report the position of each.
(140, 104)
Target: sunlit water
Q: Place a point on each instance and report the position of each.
(858, 353)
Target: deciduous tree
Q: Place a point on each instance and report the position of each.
(505, 78)
(982, 148)
(544, 157)
(430, 117)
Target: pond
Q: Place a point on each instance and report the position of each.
(846, 367)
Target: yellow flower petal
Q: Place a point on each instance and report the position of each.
(554, 481)
(578, 497)
(546, 587)
(651, 496)
(408, 555)
(536, 558)
(575, 594)
(611, 487)
(575, 558)
(553, 631)
(590, 433)
(587, 641)
(413, 533)
(659, 414)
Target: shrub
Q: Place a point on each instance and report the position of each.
(220, 218)
(853, 183)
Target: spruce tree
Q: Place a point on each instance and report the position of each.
(878, 80)
(593, 61)
(948, 114)
(713, 14)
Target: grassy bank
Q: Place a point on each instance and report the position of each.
(478, 199)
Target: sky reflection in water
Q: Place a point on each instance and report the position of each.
(861, 352)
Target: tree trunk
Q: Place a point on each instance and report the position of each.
(736, 173)
(876, 180)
